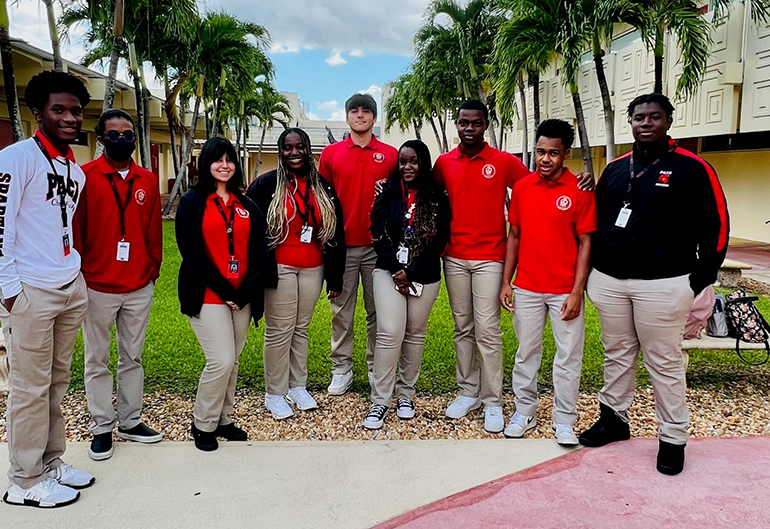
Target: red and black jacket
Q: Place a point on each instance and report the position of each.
(678, 224)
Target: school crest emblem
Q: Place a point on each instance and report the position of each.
(563, 203)
(378, 157)
(488, 170)
(663, 179)
(140, 196)
(242, 213)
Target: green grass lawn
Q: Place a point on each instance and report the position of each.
(173, 360)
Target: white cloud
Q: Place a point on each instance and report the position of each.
(336, 59)
(374, 90)
(329, 105)
(357, 53)
(314, 117)
(287, 48)
(338, 115)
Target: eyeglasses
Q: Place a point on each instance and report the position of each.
(114, 136)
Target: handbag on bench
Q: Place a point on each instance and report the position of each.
(746, 323)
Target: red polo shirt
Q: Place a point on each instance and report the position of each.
(53, 152)
(477, 189)
(551, 217)
(293, 252)
(217, 247)
(97, 232)
(352, 171)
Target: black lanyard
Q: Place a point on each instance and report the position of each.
(60, 181)
(637, 177)
(228, 224)
(122, 205)
(308, 215)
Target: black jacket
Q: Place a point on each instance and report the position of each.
(678, 224)
(261, 191)
(198, 272)
(388, 226)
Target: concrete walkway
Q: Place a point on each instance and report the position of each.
(354, 484)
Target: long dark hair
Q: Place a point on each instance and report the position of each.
(425, 182)
(425, 227)
(212, 151)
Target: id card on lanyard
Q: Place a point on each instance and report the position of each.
(625, 212)
(233, 265)
(306, 232)
(124, 246)
(62, 184)
(402, 254)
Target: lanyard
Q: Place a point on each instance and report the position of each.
(122, 206)
(309, 215)
(60, 181)
(229, 225)
(637, 177)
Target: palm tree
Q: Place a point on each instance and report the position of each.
(407, 107)
(9, 79)
(53, 30)
(271, 107)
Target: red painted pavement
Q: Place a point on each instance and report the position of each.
(725, 483)
(757, 254)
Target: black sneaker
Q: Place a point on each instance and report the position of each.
(404, 409)
(205, 441)
(141, 434)
(230, 432)
(101, 447)
(376, 417)
(608, 429)
(670, 458)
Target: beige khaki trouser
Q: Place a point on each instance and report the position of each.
(288, 312)
(649, 315)
(359, 260)
(222, 334)
(532, 309)
(401, 325)
(130, 312)
(40, 334)
(474, 294)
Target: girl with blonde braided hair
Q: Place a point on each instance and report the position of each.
(305, 235)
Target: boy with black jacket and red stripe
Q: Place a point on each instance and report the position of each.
(662, 236)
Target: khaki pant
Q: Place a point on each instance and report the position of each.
(401, 325)
(40, 334)
(360, 260)
(474, 294)
(288, 312)
(222, 334)
(130, 313)
(532, 308)
(646, 314)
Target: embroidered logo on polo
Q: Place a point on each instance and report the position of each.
(563, 203)
(663, 178)
(488, 170)
(242, 213)
(140, 196)
(378, 157)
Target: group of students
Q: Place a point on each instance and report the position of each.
(651, 236)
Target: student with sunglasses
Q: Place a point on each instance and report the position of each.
(119, 236)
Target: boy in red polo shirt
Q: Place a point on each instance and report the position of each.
(352, 167)
(118, 232)
(477, 178)
(549, 248)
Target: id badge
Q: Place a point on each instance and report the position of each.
(233, 269)
(65, 240)
(416, 289)
(306, 234)
(623, 217)
(123, 249)
(402, 255)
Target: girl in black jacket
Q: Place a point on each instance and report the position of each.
(305, 234)
(410, 229)
(221, 237)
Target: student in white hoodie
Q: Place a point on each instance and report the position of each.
(44, 295)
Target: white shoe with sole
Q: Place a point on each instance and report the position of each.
(404, 409)
(71, 477)
(301, 399)
(494, 422)
(376, 417)
(278, 407)
(519, 425)
(340, 384)
(565, 435)
(47, 494)
(462, 406)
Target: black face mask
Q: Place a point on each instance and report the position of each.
(120, 150)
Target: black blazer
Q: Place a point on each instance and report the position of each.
(388, 232)
(261, 191)
(198, 272)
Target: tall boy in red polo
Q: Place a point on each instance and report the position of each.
(549, 248)
(477, 178)
(118, 232)
(352, 167)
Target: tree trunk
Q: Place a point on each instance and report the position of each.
(215, 119)
(525, 159)
(208, 122)
(259, 152)
(187, 151)
(609, 114)
(9, 79)
(585, 148)
(442, 125)
(534, 81)
(500, 141)
(54, 33)
(435, 133)
(658, 60)
(171, 127)
(182, 138)
(417, 129)
(491, 127)
(147, 125)
(139, 118)
(117, 35)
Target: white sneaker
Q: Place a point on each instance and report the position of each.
(565, 435)
(376, 417)
(47, 494)
(519, 425)
(71, 477)
(461, 406)
(278, 407)
(404, 409)
(493, 419)
(340, 384)
(301, 399)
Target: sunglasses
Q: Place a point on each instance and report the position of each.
(114, 136)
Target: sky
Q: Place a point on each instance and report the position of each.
(323, 50)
